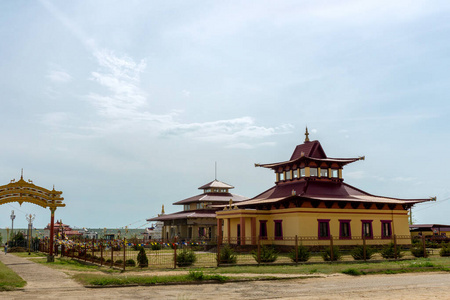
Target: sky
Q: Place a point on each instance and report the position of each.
(126, 106)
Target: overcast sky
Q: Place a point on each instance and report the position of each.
(126, 105)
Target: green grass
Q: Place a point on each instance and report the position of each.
(108, 280)
(9, 280)
(387, 267)
(74, 265)
(32, 254)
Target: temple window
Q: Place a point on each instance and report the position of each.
(288, 175)
(263, 229)
(278, 229)
(344, 229)
(334, 173)
(207, 190)
(313, 172)
(187, 207)
(386, 229)
(200, 205)
(281, 176)
(295, 172)
(367, 229)
(323, 172)
(324, 229)
(302, 172)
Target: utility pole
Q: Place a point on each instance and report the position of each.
(30, 219)
(13, 216)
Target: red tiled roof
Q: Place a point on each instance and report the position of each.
(310, 149)
(321, 190)
(429, 227)
(216, 184)
(212, 197)
(193, 214)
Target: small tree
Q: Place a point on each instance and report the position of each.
(336, 254)
(227, 255)
(267, 254)
(186, 258)
(303, 254)
(390, 251)
(445, 251)
(142, 258)
(417, 250)
(358, 252)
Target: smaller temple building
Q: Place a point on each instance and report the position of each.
(61, 229)
(197, 220)
(311, 201)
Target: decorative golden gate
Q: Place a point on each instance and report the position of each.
(23, 191)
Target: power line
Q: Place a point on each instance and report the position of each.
(432, 204)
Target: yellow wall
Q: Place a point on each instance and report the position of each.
(303, 222)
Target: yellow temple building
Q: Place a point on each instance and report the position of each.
(310, 200)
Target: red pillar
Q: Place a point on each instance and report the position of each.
(52, 229)
(229, 230)
(242, 230)
(219, 231)
(253, 229)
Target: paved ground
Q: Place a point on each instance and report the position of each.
(46, 283)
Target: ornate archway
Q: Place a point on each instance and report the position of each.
(25, 191)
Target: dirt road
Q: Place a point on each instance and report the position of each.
(404, 286)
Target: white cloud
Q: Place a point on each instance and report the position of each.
(186, 93)
(403, 179)
(59, 76)
(355, 175)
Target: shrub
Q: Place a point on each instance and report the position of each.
(303, 253)
(130, 263)
(389, 251)
(353, 272)
(16, 249)
(445, 250)
(417, 250)
(142, 258)
(186, 258)
(108, 261)
(227, 255)
(358, 252)
(196, 275)
(327, 254)
(156, 246)
(267, 254)
(119, 262)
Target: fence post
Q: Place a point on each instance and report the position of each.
(259, 250)
(218, 250)
(425, 254)
(331, 249)
(93, 248)
(296, 249)
(124, 253)
(364, 247)
(101, 252)
(175, 253)
(395, 246)
(112, 254)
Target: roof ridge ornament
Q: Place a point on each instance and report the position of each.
(306, 135)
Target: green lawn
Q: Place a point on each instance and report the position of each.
(9, 280)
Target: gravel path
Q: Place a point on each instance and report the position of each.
(38, 276)
(46, 283)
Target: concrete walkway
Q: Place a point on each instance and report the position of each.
(38, 276)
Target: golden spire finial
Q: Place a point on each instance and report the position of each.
(21, 174)
(306, 135)
(162, 210)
